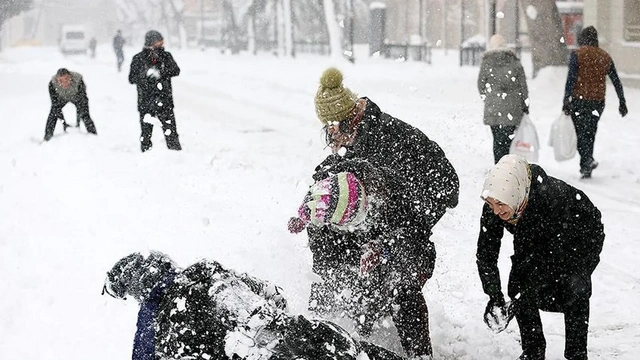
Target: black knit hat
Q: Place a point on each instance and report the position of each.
(588, 37)
(151, 37)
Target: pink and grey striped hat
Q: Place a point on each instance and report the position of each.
(339, 200)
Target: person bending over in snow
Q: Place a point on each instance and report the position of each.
(557, 239)
(366, 243)
(68, 87)
(151, 72)
(209, 312)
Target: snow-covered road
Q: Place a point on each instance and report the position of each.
(71, 207)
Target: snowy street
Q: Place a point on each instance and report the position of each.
(71, 207)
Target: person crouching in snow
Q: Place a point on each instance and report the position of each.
(557, 239)
(364, 243)
(209, 312)
(68, 87)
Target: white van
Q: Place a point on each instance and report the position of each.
(73, 39)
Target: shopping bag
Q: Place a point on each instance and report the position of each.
(563, 138)
(525, 141)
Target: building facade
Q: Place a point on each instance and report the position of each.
(42, 25)
(618, 24)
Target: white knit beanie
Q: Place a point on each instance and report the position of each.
(508, 181)
(497, 41)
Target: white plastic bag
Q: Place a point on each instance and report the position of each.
(525, 141)
(563, 138)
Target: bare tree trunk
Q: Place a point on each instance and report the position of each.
(546, 34)
(179, 20)
(251, 34)
(288, 27)
(335, 35)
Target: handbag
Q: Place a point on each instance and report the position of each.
(563, 138)
(525, 141)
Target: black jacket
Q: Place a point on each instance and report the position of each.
(207, 311)
(430, 180)
(118, 43)
(421, 184)
(151, 91)
(560, 234)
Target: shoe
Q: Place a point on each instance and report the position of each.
(537, 356)
(586, 173)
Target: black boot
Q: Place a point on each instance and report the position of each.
(536, 356)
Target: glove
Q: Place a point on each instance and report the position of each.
(154, 73)
(623, 109)
(373, 255)
(498, 314)
(566, 107)
(296, 225)
(324, 170)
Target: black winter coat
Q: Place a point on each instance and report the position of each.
(390, 221)
(560, 234)
(203, 304)
(154, 95)
(432, 184)
(421, 183)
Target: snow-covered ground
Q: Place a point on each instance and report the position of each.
(73, 206)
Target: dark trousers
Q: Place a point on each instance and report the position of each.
(119, 59)
(405, 303)
(576, 320)
(502, 136)
(585, 115)
(168, 120)
(412, 321)
(82, 114)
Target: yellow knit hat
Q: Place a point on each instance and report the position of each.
(334, 102)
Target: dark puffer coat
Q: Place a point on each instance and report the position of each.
(207, 311)
(432, 184)
(560, 234)
(154, 95)
(391, 221)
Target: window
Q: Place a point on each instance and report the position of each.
(75, 35)
(632, 20)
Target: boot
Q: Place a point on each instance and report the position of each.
(536, 356)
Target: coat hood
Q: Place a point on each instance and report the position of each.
(501, 56)
(136, 275)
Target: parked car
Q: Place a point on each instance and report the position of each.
(73, 40)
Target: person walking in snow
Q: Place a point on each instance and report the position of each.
(207, 311)
(359, 129)
(502, 85)
(584, 93)
(151, 71)
(118, 48)
(93, 43)
(557, 239)
(68, 87)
